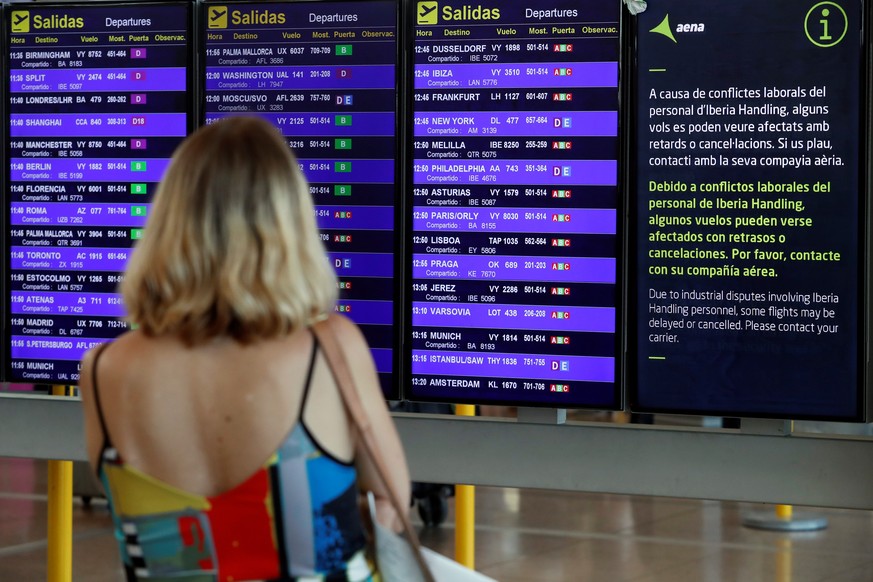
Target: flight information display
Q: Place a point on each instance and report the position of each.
(325, 73)
(749, 209)
(98, 101)
(515, 218)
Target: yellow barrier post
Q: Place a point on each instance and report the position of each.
(785, 519)
(784, 558)
(60, 515)
(465, 510)
(784, 511)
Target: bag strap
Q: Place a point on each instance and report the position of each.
(336, 360)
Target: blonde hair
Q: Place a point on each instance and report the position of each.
(231, 247)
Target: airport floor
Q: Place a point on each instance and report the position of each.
(521, 535)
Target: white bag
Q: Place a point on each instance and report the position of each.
(397, 563)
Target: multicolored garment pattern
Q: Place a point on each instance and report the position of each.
(295, 519)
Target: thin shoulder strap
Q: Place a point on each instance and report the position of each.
(339, 367)
(309, 374)
(97, 354)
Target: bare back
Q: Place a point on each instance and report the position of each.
(205, 418)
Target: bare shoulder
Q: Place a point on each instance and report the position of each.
(94, 436)
(87, 366)
(110, 353)
(86, 379)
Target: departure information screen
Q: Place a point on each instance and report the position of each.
(750, 193)
(514, 277)
(325, 73)
(98, 101)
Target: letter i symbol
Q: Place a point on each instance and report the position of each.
(824, 23)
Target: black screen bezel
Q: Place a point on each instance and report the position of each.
(397, 310)
(9, 374)
(621, 249)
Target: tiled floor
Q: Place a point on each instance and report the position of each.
(521, 535)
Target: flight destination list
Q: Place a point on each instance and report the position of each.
(514, 220)
(97, 104)
(325, 73)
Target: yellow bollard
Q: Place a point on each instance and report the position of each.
(784, 560)
(784, 512)
(465, 511)
(60, 515)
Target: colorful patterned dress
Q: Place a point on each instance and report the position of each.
(295, 519)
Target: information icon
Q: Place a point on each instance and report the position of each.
(826, 24)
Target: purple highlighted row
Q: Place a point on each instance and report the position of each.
(554, 222)
(522, 317)
(89, 169)
(134, 215)
(365, 312)
(536, 367)
(91, 80)
(301, 78)
(115, 259)
(48, 303)
(505, 76)
(349, 171)
(52, 347)
(355, 217)
(325, 124)
(70, 254)
(512, 268)
(107, 125)
(523, 173)
(363, 265)
(517, 123)
(72, 214)
(74, 348)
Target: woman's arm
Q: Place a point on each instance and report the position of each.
(363, 371)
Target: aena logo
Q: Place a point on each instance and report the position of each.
(665, 29)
